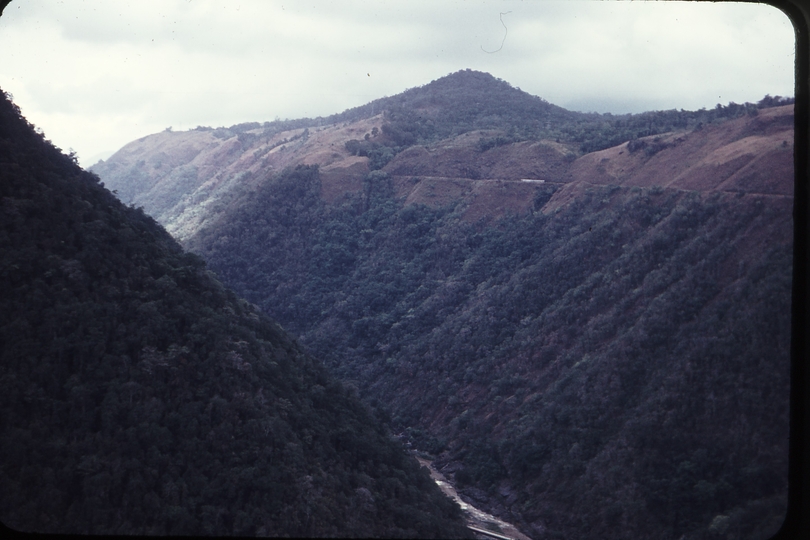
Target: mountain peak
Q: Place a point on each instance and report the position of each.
(463, 101)
(455, 90)
(470, 76)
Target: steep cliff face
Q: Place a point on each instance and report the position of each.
(595, 344)
(139, 396)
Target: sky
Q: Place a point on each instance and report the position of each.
(97, 74)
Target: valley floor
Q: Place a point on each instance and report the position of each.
(477, 519)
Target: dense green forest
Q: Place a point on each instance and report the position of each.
(615, 367)
(140, 396)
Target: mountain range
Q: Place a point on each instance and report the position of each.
(584, 320)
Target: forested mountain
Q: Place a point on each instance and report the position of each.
(140, 396)
(585, 319)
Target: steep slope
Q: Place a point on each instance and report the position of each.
(465, 125)
(138, 396)
(615, 366)
(591, 345)
(753, 154)
(185, 178)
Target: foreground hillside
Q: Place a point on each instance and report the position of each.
(139, 396)
(590, 343)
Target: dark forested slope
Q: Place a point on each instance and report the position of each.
(613, 362)
(584, 318)
(139, 396)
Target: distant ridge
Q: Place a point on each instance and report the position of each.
(477, 90)
(475, 96)
(465, 125)
(469, 100)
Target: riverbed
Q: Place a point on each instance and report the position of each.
(476, 518)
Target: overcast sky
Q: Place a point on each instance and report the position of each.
(96, 74)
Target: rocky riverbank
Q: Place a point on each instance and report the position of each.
(476, 518)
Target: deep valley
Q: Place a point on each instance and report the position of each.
(582, 319)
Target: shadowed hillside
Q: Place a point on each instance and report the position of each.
(139, 396)
(633, 330)
(587, 325)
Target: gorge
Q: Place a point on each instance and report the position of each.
(584, 319)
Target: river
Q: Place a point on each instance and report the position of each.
(476, 518)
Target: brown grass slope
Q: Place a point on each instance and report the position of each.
(750, 154)
(184, 179)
